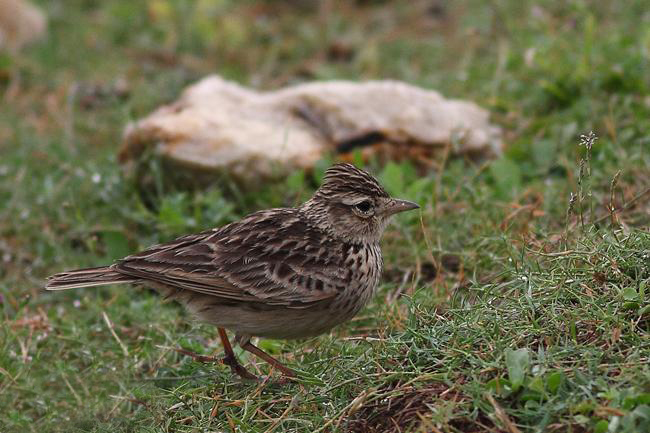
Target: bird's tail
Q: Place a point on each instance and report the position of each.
(87, 278)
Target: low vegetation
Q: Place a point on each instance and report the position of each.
(517, 300)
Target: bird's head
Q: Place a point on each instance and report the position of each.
(353, 205)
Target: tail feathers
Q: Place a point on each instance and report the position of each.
(89, 277)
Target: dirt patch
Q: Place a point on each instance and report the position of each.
(398, 408)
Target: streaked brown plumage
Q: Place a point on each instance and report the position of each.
(277, 273)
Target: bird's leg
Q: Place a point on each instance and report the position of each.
(231, 360)
(250, 347)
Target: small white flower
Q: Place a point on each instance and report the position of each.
(588, 140)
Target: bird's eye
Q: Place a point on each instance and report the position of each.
(363, 206)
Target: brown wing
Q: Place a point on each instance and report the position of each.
(273, 257)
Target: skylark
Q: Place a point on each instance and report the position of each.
(278, 273)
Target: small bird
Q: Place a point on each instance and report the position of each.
(281, 273)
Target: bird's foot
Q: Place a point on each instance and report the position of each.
(238, 369)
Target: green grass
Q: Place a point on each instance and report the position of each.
(498, 310)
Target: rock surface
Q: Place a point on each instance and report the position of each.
(20, 23)
(220, 126)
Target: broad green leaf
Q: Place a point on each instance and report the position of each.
(506, 175)
(393, 178)
(544, 153)
(601, 426)
(554, 381)
(537, 384)
(517, 362)
(499, 386)
(629, 294)
(420, 190)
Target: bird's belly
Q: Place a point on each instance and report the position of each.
(277, 322)
(283, 323)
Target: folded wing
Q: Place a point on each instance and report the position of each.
(273, 257)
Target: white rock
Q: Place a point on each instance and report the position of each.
(20, 23)
(218, 125)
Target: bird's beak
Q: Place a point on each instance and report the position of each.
(396, 205)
